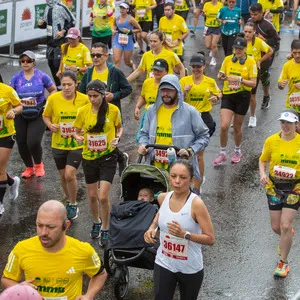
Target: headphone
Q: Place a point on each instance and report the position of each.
(241, 60)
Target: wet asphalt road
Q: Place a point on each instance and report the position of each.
(241, 263)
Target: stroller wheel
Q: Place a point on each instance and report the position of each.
(109, 264)
(121, 283)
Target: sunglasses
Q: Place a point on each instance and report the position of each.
(28, 61)
(98, 55)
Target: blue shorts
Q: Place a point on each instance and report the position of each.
(128, 47)
(213, 30)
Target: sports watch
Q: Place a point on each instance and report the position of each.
(187, 235)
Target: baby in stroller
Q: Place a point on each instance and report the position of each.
(146, 194)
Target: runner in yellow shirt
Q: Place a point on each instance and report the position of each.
(260, 51)
(290, 75)
(59, 114)
(76, 56)
(175, 29)
(10, 106)
(102, 126)
(182, 8)
(159, 49)
(201, 92)
(281, 153)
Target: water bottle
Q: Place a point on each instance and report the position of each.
(171, 155)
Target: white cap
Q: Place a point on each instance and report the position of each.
(289, 117)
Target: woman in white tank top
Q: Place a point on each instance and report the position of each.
(184, 225)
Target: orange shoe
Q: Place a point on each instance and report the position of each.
(28, 172)
(39, 170)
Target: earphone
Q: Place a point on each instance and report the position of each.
(64, 225)
(241, 60)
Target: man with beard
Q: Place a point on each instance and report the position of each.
(171, 121)
(52, 262)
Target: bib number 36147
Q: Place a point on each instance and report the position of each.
(174, 247)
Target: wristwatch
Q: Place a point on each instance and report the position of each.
(14, 111)
(78, 69)
(187, 235)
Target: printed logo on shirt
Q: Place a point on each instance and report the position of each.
(71, 271)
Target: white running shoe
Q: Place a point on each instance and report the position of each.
(252, 122)
(1, 209)
(202, 183)
(213, 62)
(13, 192)
(210, 53)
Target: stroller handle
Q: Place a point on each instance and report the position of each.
(127, 260)
(157, 146)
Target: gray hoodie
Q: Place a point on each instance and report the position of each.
(188, 128)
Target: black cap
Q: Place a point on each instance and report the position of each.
(96, 85)
(240, 43)
(197, 60)
(161, 65)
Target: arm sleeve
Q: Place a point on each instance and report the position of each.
(13, 82)
(118, 120)
(15, 100)
(266, 152)
(283, 74)
(125, 87)
(78, 123)
(47, 82)
(48, 108)
(264, 47)
(13, 268)
(82, 85)
(215, 89)
(142, 64)
(93, 262)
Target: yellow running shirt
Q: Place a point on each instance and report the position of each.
(291, 72)
(163, 135)
(181, 5)
(100, 76)
(8, 99)
(57, 275)
(97, 144)
(247, 70)
(173, 29)
(211, 12)
(63, 113)
(148, 59)
(199, 94)
(256, 49)
(149, 91)
(281, 153)
(79, 56)
(142, 14)
(268, 5)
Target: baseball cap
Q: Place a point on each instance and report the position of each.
(73, 33)
(289, 117)
(96, 85)
(124, 5)
(240, 43)
(166, 85)
(20, 292)
(160, 65)
(197, 60)
(28, 53)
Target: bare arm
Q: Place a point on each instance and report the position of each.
(264, 179)
(136, 25)
(140, 103)
(52, 89)
(135, 74)
(48, 122)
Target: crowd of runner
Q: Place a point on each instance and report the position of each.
(83, 113)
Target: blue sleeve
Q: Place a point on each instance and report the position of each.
(220, 14)
(13, 81)
(47, 81)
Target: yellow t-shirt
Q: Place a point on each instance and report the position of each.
(8, 99)
(211, 12)
(181, 5)
(79, 56)
(56, 274)
(141, 14)
(63, 112)
(199, 94)
(97, 144)
(291, 72)
(148, 59)
(149, 91)
(100, 76)
(274, 18)
(256, 49)
(247, 70)
(281, 153)
(173, 29)
(163, 135)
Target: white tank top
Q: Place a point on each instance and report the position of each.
(177, 254)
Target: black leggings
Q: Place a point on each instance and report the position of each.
(227, 43)
(165, 283)
(29, 137)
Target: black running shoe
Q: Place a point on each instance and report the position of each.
(266, 102)
(95, 232)
(103, 238)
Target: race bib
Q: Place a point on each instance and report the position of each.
(49, 30)
(151, 75)
(141, 13)
(179, 2)
(123, 39)
(174, 247)
(97, 143)
(169, 38)
(282, 172)
(295, 99)
(1, 123)
(56, 298)
(29, 102)
(161, 156)
(234, 85)
(66, 130)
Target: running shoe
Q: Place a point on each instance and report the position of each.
(202, 183)
(123, 164)
(72, 211)
(13, 192)
(28, 172)
(292, 24)
(192, 31)
(252, 122)
(266, 102)
(282, 269)
(103, 238)
(1, 209)
(210, 53)
(39, 170)
(95, 232)
(220, 159)
(236, 157)
(213, 62)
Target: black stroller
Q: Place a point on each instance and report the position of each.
(128, 223)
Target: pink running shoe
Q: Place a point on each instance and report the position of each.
(236, 157)
(220, 159)
(28, 172)
(39, 170)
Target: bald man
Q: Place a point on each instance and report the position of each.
(53, 262)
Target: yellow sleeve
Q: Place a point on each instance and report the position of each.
(13, 268)
(79, 121)
(48, 111)
(143, 65)
(283, 74)
(182, 83)
(152, 2)
(143, 89)
(14, 97)
(214, 88)
(93, 262)
(87, 59)
(176, 58)
(223, 67)
(266, 153)
(118, 120)
(264, 47)
(205, 8)
(253, 70)
(183, 27)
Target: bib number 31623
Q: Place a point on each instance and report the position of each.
(174, 247)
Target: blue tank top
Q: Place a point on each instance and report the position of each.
(126, 24)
